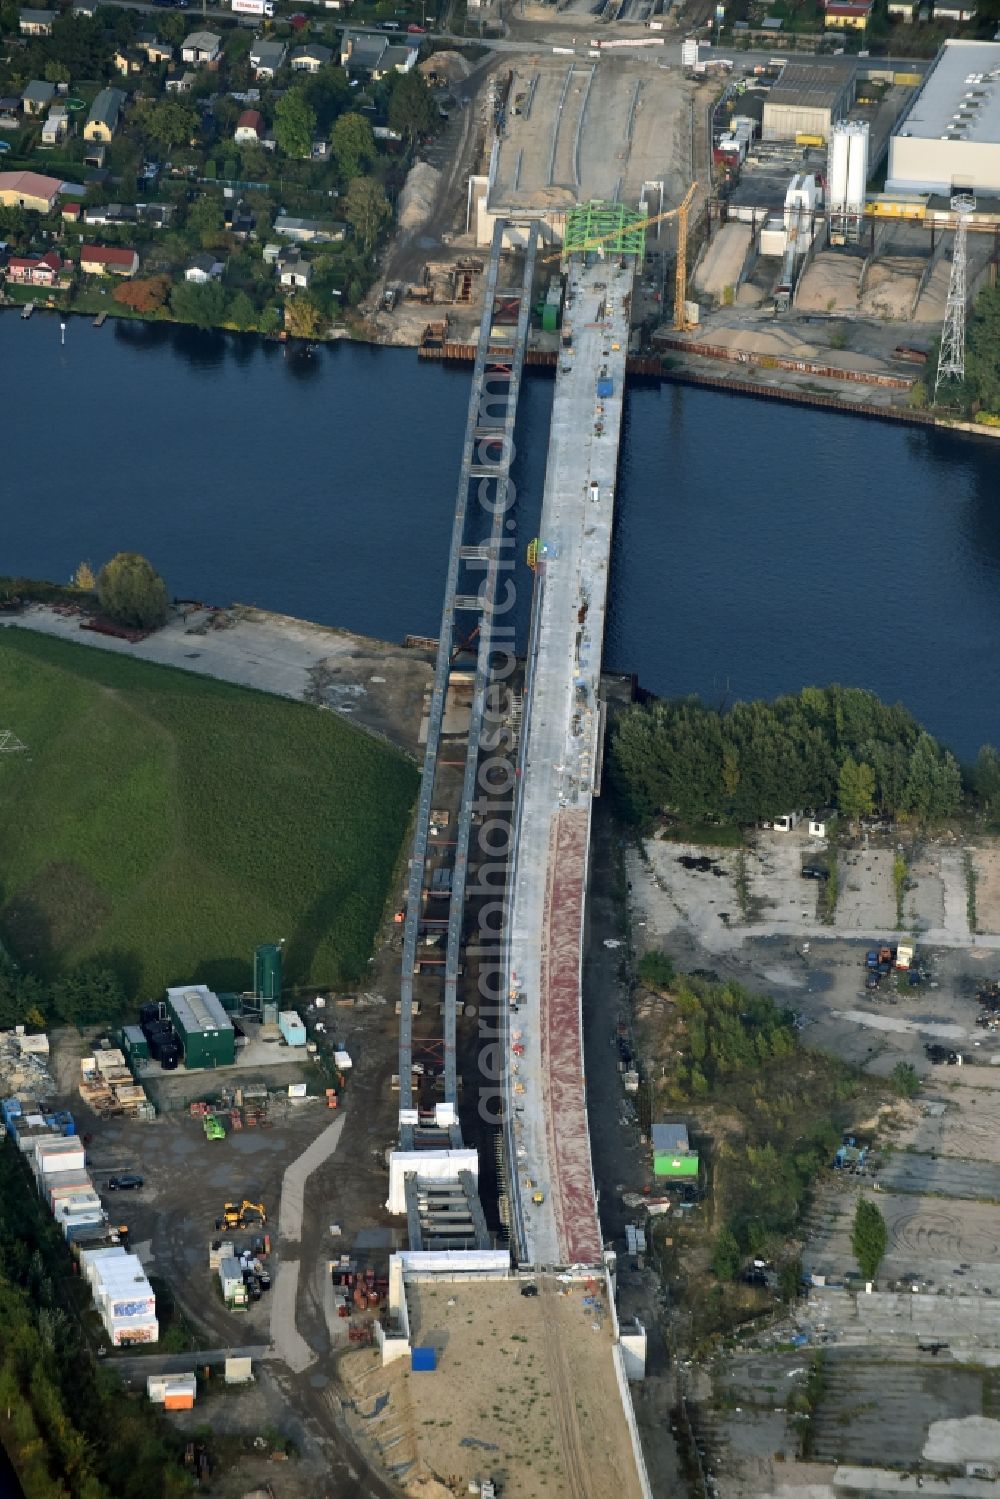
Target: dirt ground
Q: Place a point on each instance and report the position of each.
(375, 684)
(518, 1394)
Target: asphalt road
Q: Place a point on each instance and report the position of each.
(669, 55)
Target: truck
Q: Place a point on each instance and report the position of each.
(253, 7)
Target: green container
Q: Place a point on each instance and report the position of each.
(267, 972)
(675, 1165)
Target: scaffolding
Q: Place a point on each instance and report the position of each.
(607, 228)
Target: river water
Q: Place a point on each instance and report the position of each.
(759, 547)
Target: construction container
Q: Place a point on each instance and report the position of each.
(175, 1391)
(234, 1291)
(423, 1360)
(292, 1030)
(126, 1331)
(605, 388)
(64, 1153)
(238, 1371)
(134, 1044)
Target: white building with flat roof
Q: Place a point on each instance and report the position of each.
(949, 139)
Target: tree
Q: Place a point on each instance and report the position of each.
(906, 1080)
(656, 970)
(242, 311)
(986, 777)
(302, 317)
(294, 123)
(270, 319)
(855, 789)
(205, 218)
(726, 1257)
(84, 578)
(146, 295)
(167, 122)
(57, 72)
(131, 591)
(868, 1238)
(353, 144)
(367, 209)
(411, 107)
(204, 306)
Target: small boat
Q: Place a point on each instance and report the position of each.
(27, 310)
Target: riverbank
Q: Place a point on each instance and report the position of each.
(762, 380)
(378, 686)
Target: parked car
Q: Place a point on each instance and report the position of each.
(815, 872)
(125, 1183)
(872, 978)
(529, 1290)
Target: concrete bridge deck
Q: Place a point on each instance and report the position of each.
(561, 741)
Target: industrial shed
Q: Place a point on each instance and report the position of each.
(807, 100)
(205, 1029)
(949, 140)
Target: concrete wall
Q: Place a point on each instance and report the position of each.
(433, 1165)
(919, 165)
(633, 1430)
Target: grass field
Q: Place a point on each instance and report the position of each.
(169, 822)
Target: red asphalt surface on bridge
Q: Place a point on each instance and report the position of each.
(572, 1187)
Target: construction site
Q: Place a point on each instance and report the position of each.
(803, 271)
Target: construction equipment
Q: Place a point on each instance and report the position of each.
(242, 1215)
(214, 1128)
(681, 213)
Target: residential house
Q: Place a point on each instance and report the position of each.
(376, 56)
(36, 22)
(240, 222)
(202, 48)
(204, 268)
(902, 10)
(249, 128)
(309, 231)
(293, 272)
(129, 61)
(86, 8)
(311, 58)
(182, 85)
(104, 260)
(36, 270)
(58, 127)
(93, 156)
(266, 58)
(72, 213)
(950, 11)
(29, 190)
(847, 15)
(105, 112)
(37, 97)
(155, 51)
(155, 215)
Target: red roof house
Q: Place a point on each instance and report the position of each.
(102, 260)
(35, 270)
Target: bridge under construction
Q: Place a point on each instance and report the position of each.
(491, 1028)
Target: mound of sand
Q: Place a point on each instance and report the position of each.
(417, 198)
(450, 65)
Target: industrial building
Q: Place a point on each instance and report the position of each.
(807, 100)
(205, 1030)
(949, 139)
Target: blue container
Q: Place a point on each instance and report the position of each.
(605, 387)
(423, 1360)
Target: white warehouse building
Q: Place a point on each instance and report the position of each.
(949, 140)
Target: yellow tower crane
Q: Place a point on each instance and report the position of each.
(681, 214)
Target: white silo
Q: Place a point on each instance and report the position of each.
(837, 167)
(857, 168)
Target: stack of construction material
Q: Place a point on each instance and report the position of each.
(23, 1064)
(122, 1295)
(107, 1086)
(64, 1184)
(175, 1392)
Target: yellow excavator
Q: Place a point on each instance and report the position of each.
(236, 1216)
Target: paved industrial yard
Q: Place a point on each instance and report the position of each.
(555, 148)
(524, 1393)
